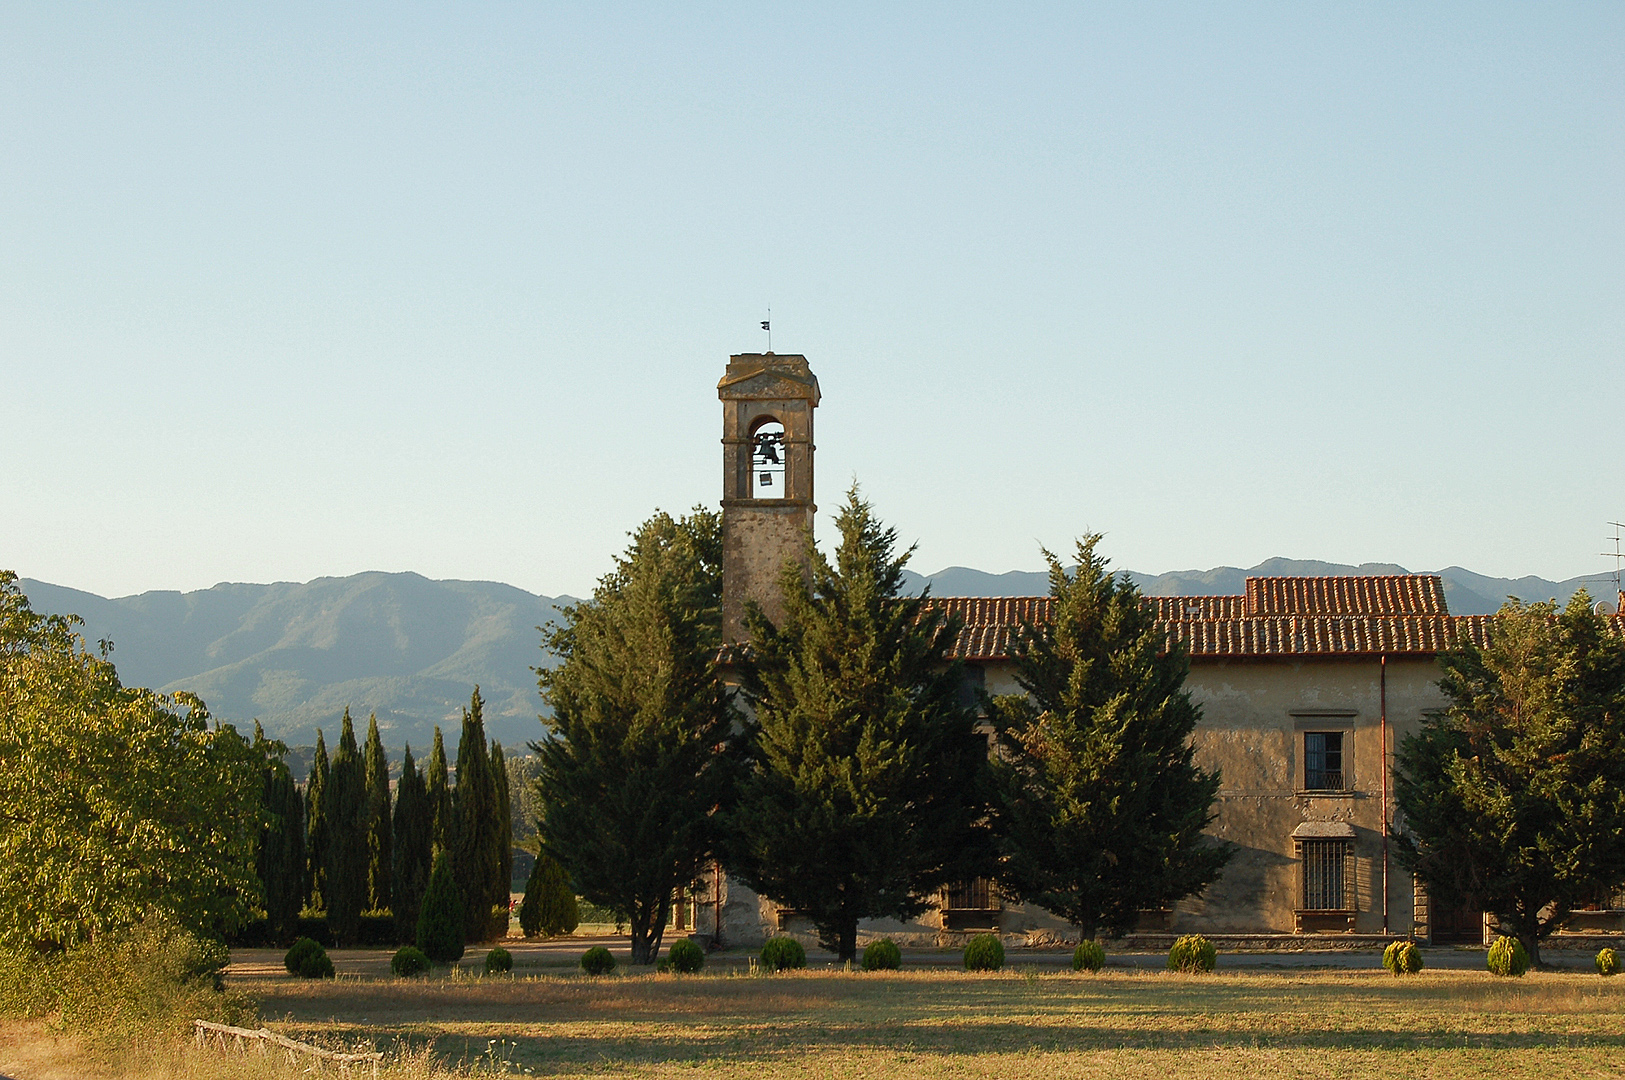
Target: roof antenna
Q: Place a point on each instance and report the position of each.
(767, 324)
(1618, 555)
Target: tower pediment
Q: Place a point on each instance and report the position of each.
(764, 376)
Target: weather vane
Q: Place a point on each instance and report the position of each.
(767, 324)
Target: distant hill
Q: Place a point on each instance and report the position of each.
(294, 655)
(410, 649)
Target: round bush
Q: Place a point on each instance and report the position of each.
(1088, 956)
(296, 955)
(315, 965)
(1507, 957)
(1402, 958)
(498, 961)
(1192, 953)
(409, 960)
(597, 961)
(882, 955)
(984, 952)
(1607, 962)
(782, 953)
(686, 957)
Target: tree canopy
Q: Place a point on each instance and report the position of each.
(638, 754)
(861, 796)
(114, 800)
(1100, 806)
(1514, 796)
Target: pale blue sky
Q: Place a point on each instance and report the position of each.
(292, 291)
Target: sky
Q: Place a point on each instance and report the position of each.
(304, 290)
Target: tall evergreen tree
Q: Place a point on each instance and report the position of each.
(414, 847)
(380, 860)
(640, 751)
(1514, 798)
(347, 843)
(316, 830)
(503, 885)
(281, 860)
(437, 782)
(1099, 804)
(474, 854)
(862, 796)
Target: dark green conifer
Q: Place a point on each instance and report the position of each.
(442, 810)
(347, 844)
(503, 885)
(862, 801)
(549, 907)
(440, 922)
(316, 831)
(380, 860)
(281, 861)
(414, 847)
(474, 853)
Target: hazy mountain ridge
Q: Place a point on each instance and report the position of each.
(294, 655)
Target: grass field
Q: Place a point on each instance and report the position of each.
(1018, 1024)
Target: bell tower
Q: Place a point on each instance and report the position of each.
(767, 479)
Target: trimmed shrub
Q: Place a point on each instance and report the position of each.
(440, 917)
(598, 961)
(314, 964)
(1402, 958)
(1607, 962)
(1088, 956)
(498, 961)
(686, 956)
(1192, 954)
(296, 955)
(984, 952)
(1507, 958)
(882, 955)
(550, 906)
(781, 953)
(409, 960)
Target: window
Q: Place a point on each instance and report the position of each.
(1325, 879)
(1323, 760)
(973, 895)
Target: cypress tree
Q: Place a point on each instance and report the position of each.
(316, 831)
(1098, 804)
(380, 860)
(502, 886)
(414, 847)
(862, 800)
(437, 781)
(549, 907)
(281, 861)
(347, 831)
(440, 923)
(474, 855)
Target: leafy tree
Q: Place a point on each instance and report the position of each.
(414, 847)
(639, 751)
(347, 838)
(316, 831)
(1099, 804)
(1514, 797)
(115, 801)
(442, 813)
(440, 922)
(862, 797)
(281, 856)
(380, 860)
(480, 821)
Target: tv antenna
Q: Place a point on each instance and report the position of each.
(1618, 555)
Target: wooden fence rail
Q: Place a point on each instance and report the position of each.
(226, 1037)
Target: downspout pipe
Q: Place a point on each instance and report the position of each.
(1382, 699)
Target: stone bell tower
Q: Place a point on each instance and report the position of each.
(767, 479)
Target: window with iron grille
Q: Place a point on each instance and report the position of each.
(973, 895)
(1325, 875)
(1323, 760)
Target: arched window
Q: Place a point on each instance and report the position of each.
(767, 461)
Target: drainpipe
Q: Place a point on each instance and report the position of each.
(1383, 727)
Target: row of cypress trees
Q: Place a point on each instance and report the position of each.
(346, 847)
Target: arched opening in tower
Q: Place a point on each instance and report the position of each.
(767, 460)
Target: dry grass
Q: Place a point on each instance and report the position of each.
(1020, 1025)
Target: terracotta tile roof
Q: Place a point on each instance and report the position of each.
(1276, 617)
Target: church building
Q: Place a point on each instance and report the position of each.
(1306, 686)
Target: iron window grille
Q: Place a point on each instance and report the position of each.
(1326, 877)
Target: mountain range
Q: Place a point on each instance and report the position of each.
(411, 649)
